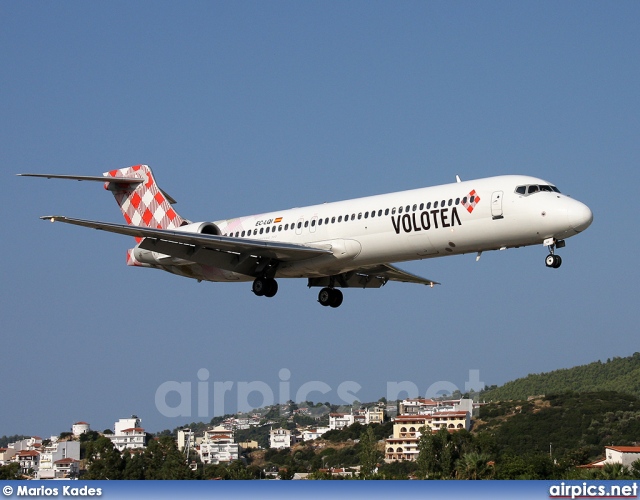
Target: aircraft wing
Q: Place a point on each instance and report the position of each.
(392, 273)
(240, 246)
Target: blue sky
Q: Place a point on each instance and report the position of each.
(246, 107)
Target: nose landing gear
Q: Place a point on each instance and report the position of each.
(552, 260)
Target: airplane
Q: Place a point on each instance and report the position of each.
(344, 244)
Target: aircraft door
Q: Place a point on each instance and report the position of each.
(496, 205)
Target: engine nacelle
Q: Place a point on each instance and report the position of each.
(156, 258)
(201, 227)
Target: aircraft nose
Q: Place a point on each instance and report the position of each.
(580, 216)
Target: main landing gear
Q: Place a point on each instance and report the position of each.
(266, 287)
(552, 260)
(330, 297)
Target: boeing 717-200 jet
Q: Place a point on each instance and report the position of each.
(345, 244)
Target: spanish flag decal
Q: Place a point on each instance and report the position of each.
(277, 219)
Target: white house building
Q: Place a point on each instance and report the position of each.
(281, 438)
(59, 450)
(128, 434)
(624, 455)
(218, 445)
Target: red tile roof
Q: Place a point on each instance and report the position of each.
(625, 449)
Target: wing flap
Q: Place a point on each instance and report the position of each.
(238, 246)
(392, 273)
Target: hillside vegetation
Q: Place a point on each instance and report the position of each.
(617, 374)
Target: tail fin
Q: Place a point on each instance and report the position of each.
(143, 204)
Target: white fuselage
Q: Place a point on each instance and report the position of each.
(451, 219)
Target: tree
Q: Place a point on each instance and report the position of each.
(103, 460)
(10, 471)
(437, 454)
(474, 465)
(369, 453)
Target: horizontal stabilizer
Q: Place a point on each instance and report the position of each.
(120, 180)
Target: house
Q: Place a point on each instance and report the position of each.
(58, 450)
(29, 461)
(311, 434)
(281, 438)
(128, 434)
(338, 421)
(6, 454)
(624, 455)
(218, 445)
(66, 468)
(407, 429)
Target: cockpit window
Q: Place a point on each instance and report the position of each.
(536, 188)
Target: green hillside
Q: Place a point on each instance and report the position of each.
(617, 374)
(576, 424)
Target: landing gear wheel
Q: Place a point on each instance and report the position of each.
(272, 288)
(330, 297)
(259, 286)
(266, 287)
(324, 297)
(337, 298)
(554, 261)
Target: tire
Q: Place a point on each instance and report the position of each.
(325, 297)
(336, 299)
(550, 260)
(272, 288)
(259, 286)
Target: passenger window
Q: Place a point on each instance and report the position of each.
(333, 220)
(450, 202)
(280, 228)
(443, 203)
(428, 205)
(299, 225)
(435, 204)
(268, 229)
(313, 222)
(326, 220)
(472, 199)
(386, 211)
(366, 215)
(373, 213)
(261, 230)
(457, 201)
(464, 200)
(353, 216)
(421, 206)
(393, 210)
(255, 231)
(340, 219)
(399, 210)
(306, 223)
(380, 213)
(407, 208)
